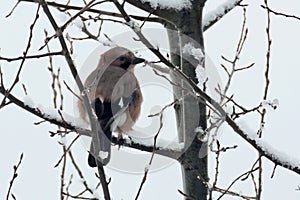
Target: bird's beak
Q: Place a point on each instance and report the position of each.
(137, 60)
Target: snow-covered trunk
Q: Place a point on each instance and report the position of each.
(191, 112)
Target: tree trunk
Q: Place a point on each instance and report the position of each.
(191, 112)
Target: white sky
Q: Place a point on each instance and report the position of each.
(37, 177)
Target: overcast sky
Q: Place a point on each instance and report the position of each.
(39, 179)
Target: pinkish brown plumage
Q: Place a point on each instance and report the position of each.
(111, 82)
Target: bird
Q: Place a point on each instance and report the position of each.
(115, 95)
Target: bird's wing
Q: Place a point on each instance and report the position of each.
(117, 84)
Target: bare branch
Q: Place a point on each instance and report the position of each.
(62, 175)
(246, 67)
(235, 194)
(80, 173)
(187, 197)
(265, 95)
(1, 78)
(235, 180)
(150, 13)
(58, 53)
(273, 172)
(66, 150)
(218, 152)
(15, 175)
(160, 114)
(12, 10)
(243, 111)
(68, 87)
(24, 89)
(239, 48)
(64, 7)
(279, 13)
(51, 69)
(268, 55)
(82, 10)
(17, 78)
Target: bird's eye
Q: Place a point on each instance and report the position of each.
(122, 58)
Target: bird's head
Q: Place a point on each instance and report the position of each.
(120, 57)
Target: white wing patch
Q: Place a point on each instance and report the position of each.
(121, 103)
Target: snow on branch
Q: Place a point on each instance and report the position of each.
(161, 143)
(52, 116)
(169, 4)
(214, 16)
(266, 150)
(68, 124)
(55, 114)
(277, 155)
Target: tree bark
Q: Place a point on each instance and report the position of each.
(190, 113)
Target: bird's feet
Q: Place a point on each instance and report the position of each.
(120, 140)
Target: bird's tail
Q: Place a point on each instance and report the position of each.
(103, 155)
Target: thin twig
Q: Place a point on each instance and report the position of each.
(82, 10)
(235, 180)
(17, 77)
(268, 55)
(80, 173)
(235, 194)
(243, 109)
(265, 95)
(279, 13)
(64, 7)
(59, 89)
(160, 114)
(218, 152)
(24, 89)
(1, 78)
(12, 10)
(273, 172)
(66, 150)
(58, 53)
(147, 168)
(80, 198)
(62, 175)
(15, 175)
(239, 48)
(146, 19)
(186, 197)
(51, 69)
(68, 87)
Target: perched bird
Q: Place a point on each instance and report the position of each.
(115, 96)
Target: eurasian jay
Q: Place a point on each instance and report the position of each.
(115, 96)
